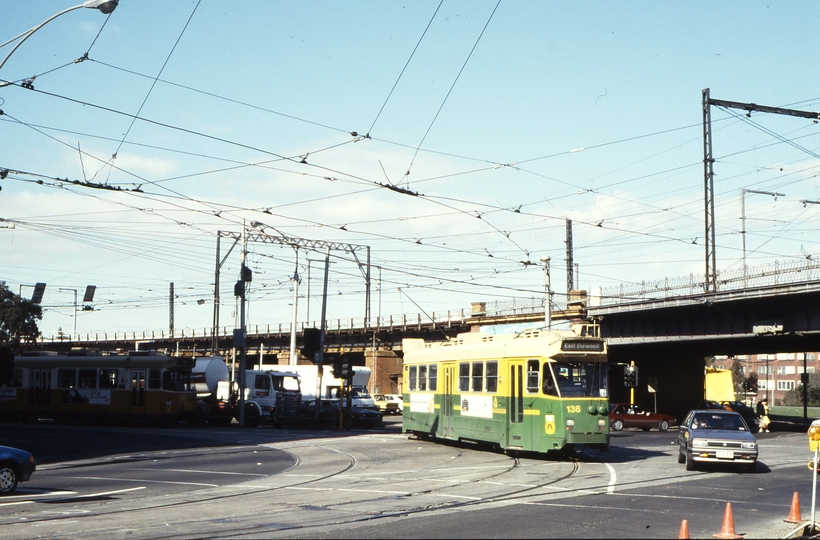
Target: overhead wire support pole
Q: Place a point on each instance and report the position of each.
(710, 284)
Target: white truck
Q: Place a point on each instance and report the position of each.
(330, 385)
(270, 395)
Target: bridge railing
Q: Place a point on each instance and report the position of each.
(387, 323)
(775, 273)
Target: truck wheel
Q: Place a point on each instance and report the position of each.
(252, 415)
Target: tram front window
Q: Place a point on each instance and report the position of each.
(575, 379)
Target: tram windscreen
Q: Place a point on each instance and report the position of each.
(575, 379)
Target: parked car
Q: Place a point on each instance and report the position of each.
(329, 413)
(716, 436)
(624, 415)
(389, 403)
(15, 466)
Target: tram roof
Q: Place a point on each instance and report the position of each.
(139, 360)
(530, 343)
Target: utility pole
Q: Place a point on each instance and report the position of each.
(547, 293)
(74, 331)
(292, 360)
(710, 284)
(171, 312)
(743, 193)
(570, 277)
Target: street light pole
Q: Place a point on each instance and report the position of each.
(105, 6)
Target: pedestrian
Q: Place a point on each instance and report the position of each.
(763, 414)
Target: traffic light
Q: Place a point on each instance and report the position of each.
(312, 337)
(337, 370)
(631, 376)
(345, 367)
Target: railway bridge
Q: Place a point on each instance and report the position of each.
(667, 328)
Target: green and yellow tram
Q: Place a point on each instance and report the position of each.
(141, 386)
(536, 391)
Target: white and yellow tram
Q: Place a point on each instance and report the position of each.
(141, 386)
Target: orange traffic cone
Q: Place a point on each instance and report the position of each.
(794, 512)
(684, 529)
(728, 528)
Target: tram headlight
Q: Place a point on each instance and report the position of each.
(570, 424)
(601, 424)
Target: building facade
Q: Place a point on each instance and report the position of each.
(776, 373)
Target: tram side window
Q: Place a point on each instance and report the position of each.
(412, 376)
(108, 378)
(550, 388)
(532, 376)
(463, 377)
(154, 379)
(176, 381)
(66, 378)
(478, 376)
(432, 377)
(492, 376)
(422, 377)
(87, 378)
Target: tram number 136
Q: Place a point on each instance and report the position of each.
(573, 409)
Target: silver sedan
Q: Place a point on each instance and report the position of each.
(716, 436)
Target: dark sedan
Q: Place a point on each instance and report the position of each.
(329, 413)
(15, 466)
(623, 415)
(716, 436)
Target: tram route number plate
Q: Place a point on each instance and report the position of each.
(725, 454)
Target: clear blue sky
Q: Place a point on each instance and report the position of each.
(231, 97)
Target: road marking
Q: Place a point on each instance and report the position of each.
(448, 495)
(202, 472)
(16, 503)
(569, 505)
(613, 479)
(374, 491)
(143, 481)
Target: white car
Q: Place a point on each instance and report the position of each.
(389, 403)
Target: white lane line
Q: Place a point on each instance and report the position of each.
(201, 472)
(613, 479)
(374, 491)
(570, 505)
(141, 481)
(480, 467)
(449, 495)
(16, 503)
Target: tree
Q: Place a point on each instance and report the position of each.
(794, 397)
(737, 376)
(18, 317)
(750, 383)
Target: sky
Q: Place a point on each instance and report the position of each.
(447, 142)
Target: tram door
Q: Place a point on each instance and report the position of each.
(137, 391)
(515, 406)
(39, 388)
(447, 405)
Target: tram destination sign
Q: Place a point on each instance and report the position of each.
(583, 345)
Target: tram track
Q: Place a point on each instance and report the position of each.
(344, 462)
